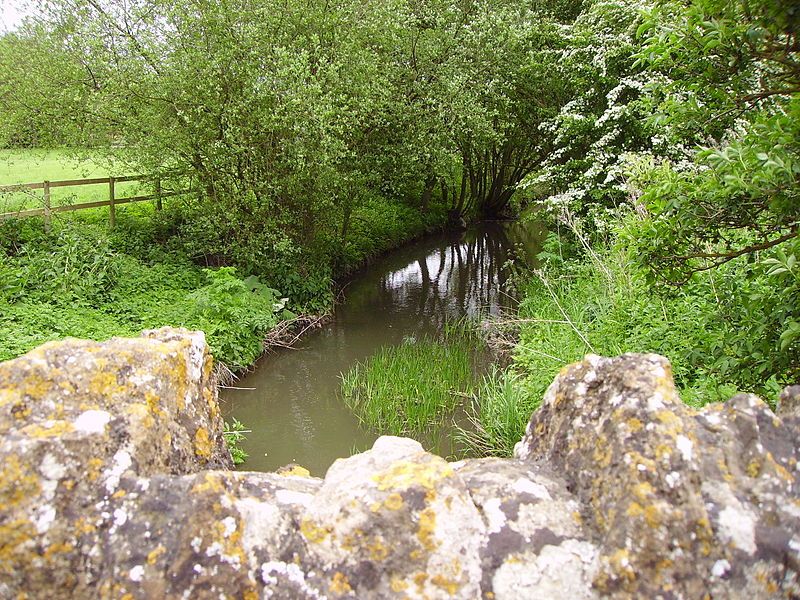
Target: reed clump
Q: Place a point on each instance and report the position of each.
(413, 387)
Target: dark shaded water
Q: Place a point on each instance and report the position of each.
(295, 411)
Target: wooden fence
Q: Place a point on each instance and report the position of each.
(112, 201)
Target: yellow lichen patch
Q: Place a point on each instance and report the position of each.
(13, 535)
(340, 584)
(213, 407)
(94, 465)
(48, 429)
(250, 594)
(153, 403)
(312, 532)
(84, 527)
(377, 550)
(620, 563)
(394, 501)
(663, 452)
(141, 414)
(7, 396)
(723, 467)
(296, 471)
(634, 510)
(404, 474)
(202, 443)
(21, 411)
(754, 467)
(155, 554)
(671, 420)
(449, 585)
(637, 460)
(602, 453)
(650, 513)
(58, 548)
(35, 385)
(118, 494)
(104, 383)
(420, 579)
(398, 585)
(780, 470)
(427, 529)
(643, 490)
(211, 483)
(17, 483)
(634, 424)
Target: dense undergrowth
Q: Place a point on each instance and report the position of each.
(82, 280)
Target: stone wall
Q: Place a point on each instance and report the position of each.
(115, 483)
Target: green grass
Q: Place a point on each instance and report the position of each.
(501, 408)
(35, 166)
(410, 388)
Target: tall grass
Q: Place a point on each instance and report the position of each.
(411, 388)
(501, 407)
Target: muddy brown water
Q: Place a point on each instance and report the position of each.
(295, 410)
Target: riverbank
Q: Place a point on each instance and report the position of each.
(82, 280)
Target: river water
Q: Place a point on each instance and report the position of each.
(295, 411)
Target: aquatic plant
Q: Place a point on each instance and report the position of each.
(412, 387)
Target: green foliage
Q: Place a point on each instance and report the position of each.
(234, 435)
(235, 314)
(410, 388)
(76, 282)
(501, 409)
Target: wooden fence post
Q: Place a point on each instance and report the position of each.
(46, 188)
(112, 212)
(159, 205)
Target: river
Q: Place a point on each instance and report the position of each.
(294, 409)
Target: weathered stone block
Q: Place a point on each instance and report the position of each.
(114, 483)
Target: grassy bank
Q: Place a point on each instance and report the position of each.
(713, 329)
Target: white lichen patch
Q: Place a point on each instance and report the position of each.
(655, 402)
(273, 570)
(293, 497)
(554, 515)
(263, 523)
(229, 526)
(44, 518)
(526, 486)
(672, 478)
(120, 517)
(563, 571)
(136, 573)
(92, 421)
(685, 447)
(737, 526)
(120, 463)
(720, 567)
(51, 468)
(495, 518)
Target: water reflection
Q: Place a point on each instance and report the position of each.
(295, 412)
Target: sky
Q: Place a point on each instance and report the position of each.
(11, 14)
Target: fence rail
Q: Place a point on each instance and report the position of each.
(112, 201)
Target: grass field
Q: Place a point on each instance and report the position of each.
(33, 166)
